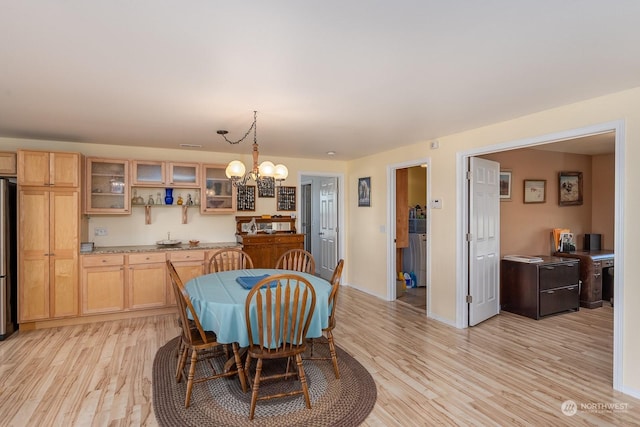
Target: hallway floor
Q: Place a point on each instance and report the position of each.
(416, 297)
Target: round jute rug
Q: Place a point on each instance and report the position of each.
(221, 402)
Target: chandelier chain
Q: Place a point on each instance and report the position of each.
(253, 127)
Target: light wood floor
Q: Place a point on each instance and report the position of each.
(510, 370)
(415, 297)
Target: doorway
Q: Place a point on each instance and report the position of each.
(322, 218)
(419, 296)
(411, 237)
(462, 256)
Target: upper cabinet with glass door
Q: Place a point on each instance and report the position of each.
(218, 193)
(107, 186)
(165, 174)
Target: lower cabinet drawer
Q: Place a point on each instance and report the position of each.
(558, 300)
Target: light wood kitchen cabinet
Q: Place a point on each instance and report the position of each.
(188, 264)
(49, 169)
(165, 174)
(147, 280)
(185, 175)
(8, 164)
(218, 193)
(48, 246)
(103, 284)
(107, 186)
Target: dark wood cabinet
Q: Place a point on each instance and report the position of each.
(265, 249)
(274, 236)
(593, 266)
(540, 289)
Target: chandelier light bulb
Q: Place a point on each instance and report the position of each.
(281, 172)
(266, 169)
(235, 169)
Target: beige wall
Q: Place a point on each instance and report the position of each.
(367, 250)
(525, 228)
(603, 195)
(132, 230)
(417, 186)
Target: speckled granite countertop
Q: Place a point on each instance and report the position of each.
(156, 248)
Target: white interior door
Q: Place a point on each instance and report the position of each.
(484, 242)
(328, 233)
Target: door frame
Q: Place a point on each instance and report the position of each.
(302, 177)
(462, 214)
(391, 226)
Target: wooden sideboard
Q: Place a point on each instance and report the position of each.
(263, 248)
(540, 289)
(593, 265)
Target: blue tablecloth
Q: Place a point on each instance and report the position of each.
(218, 300)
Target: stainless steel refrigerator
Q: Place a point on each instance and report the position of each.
(8, 258)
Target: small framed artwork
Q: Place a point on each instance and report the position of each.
(364, 191)
(505, 185)
(266, 187)
(535, 190)
(569, 188)
(286, 199)
(246, 198)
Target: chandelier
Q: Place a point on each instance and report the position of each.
(264, 174)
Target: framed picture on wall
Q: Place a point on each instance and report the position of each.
(246, 198)
(569, 188)
(535, 190)
(364, 191)
(505, 185)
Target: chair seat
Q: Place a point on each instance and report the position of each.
(266, 353)
(197, 341)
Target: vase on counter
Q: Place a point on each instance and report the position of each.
(168, 197)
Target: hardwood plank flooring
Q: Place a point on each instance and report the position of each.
(509, 370)
(415, 297)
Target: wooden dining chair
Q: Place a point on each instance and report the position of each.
(229, 259)
(328, 331)
(278, 319)
(297, 260)
(202, 345)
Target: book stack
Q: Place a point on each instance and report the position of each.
(564, 240)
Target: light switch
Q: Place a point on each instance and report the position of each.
(436, 204)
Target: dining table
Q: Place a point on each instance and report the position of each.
(219, 301)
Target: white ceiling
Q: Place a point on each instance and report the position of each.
(356, 77)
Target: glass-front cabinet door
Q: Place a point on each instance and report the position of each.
(218, 193)
(107, 186)
(147, 173)
(186, 175)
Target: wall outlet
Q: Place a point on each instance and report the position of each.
(436, 203)
(100, 231)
